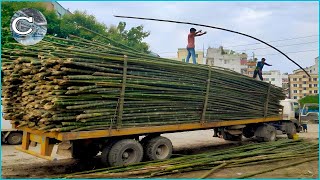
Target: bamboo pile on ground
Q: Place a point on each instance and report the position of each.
(245, 155)
(76, 84)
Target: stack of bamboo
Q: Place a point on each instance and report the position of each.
(76, 84)
(294, 152)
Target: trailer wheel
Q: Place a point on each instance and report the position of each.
(248, 132)
(14, 138)
(158, 148)
(266, 133)
(124, 152)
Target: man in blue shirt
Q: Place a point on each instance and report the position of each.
(259, 68)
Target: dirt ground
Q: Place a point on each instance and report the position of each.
(16, 164)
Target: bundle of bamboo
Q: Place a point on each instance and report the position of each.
(245, 155)
(76, 84)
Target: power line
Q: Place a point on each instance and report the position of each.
(273, 41)
(215, 27)
(280, 46)
(257, 48)
(290, 52)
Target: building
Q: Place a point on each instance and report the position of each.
(182, 55)
(55, 6)
(277, 79)
(227, 59)
(251, 66)
(311, 69)
(301, 85)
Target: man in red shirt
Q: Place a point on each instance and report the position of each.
(191, 45)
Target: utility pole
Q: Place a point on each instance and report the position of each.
(252, 56)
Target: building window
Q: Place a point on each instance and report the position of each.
(294, 97)
(300, 79)
(315, 91)
(310, 85)
(294, 79)
(304, 82)
(304, 88)
(315, 85)
(310, 92)
(304, 76)
(295, 91)
(273, 79)
(295, 85)
(314, 79)
(304, 94)
(300, 85)
(266, 79)
(300, 91)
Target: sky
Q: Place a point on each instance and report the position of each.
(292, 27)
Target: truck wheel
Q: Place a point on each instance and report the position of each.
(14, 138)
(248, 132)
(290, 129)
(124, 152)
(158, 148)
(266, 133)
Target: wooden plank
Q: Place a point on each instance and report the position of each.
(122, 93)
(25, 140)
(205, 104)
(35, 138)
(46, 147)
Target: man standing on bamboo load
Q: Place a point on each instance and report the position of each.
(259, 68)
(191, 45)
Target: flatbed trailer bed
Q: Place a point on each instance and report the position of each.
(48, 139)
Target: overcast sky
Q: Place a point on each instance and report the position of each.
(269, 21)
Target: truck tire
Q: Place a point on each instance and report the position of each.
(266, 133)
(124, 152)
(14, 138)
(248, 132)
(290, 129)
(105, 154)
(158, 148)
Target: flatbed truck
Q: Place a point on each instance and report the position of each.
(124, 146)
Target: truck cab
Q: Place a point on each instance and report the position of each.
(310, 113)
(291, 112)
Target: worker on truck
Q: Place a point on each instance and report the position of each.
(259, 68)
(191, 45)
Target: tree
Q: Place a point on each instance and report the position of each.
(69, 24)
(132, 38)
(309, 99)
